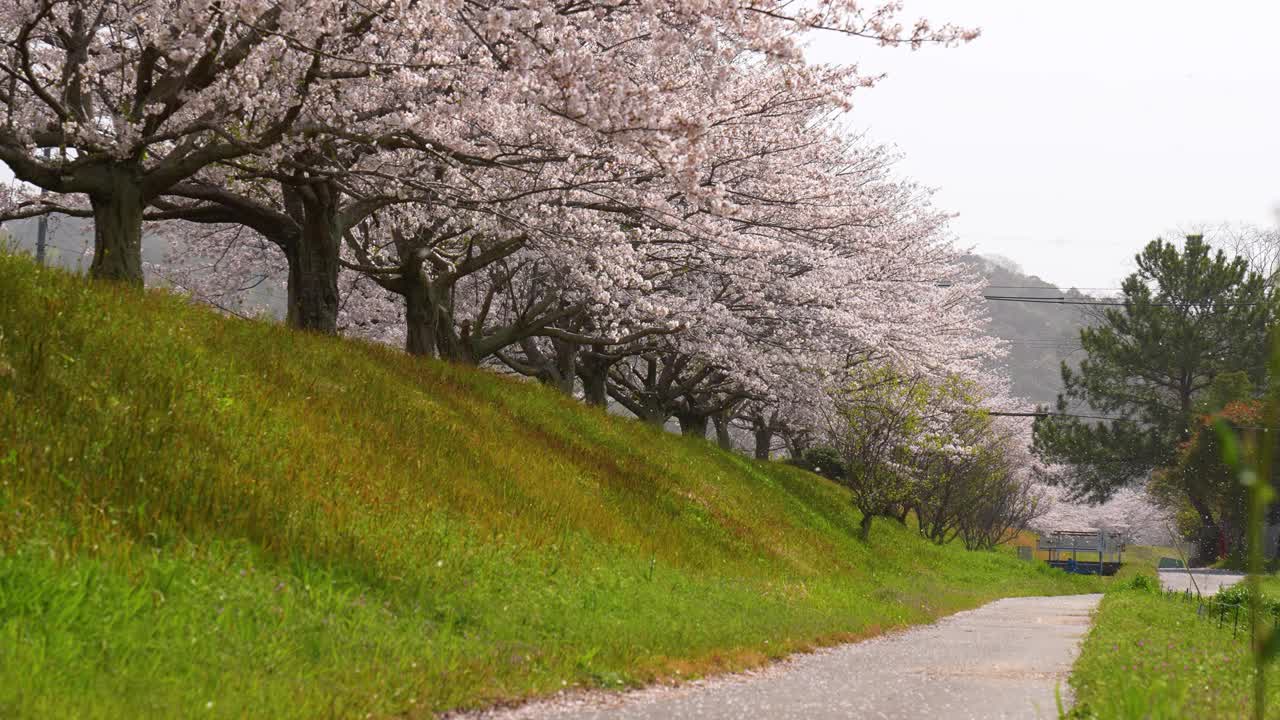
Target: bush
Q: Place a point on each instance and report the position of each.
(1237, 594)
(1142, 583)
(824, 461)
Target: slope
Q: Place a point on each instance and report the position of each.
(203, 515)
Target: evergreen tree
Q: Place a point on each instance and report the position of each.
(1189, 315)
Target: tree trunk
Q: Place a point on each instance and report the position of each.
(453, 343)
(764, 443)
(420, 338)
(654, 418)
(864, 526)
(692, 425)
(1209, 534)
(313, 288)
(796, 444)
(313, 262)
(566, 366)
(723, 438)
(593, 368)
(1207, 539)
(117, 230)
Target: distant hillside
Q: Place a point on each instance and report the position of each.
(1040, 335)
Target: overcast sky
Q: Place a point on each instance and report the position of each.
(1071, 133)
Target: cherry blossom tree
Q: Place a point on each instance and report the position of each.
(1131, 511)
(141, 96)
(137, 97)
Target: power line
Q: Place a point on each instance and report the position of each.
(1083, 416)
(1041, 342)
(1054, 288)
(1062, 300)
(1046, 413)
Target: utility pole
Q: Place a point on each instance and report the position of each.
(42, 228)
(42, 232)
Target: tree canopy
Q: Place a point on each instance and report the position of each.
(1189, 320)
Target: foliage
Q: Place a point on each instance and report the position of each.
(913, 444)
(972, 476)
(207, 516)
(1189, 316)
(824, 461)
(1144, 583)
(1001, 505)
(1240, 686)
(1251, 452)
(878, 416)
(1201, 470)
(1227, 388)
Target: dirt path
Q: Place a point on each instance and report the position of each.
(1002, 660)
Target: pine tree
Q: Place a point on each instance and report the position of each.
(1189, 315)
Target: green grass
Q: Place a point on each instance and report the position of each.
(1142, 560)
(202, 516)
(1152, 657)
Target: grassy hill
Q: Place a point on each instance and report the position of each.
(202, 516)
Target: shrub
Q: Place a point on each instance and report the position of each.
(824, 461)
(1142, 583)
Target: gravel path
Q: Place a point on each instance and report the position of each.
(1002, 660)
(1209, 581)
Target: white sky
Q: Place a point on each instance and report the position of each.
(1072, 133)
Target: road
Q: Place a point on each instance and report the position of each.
(1209, 581)
(1002, 660)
